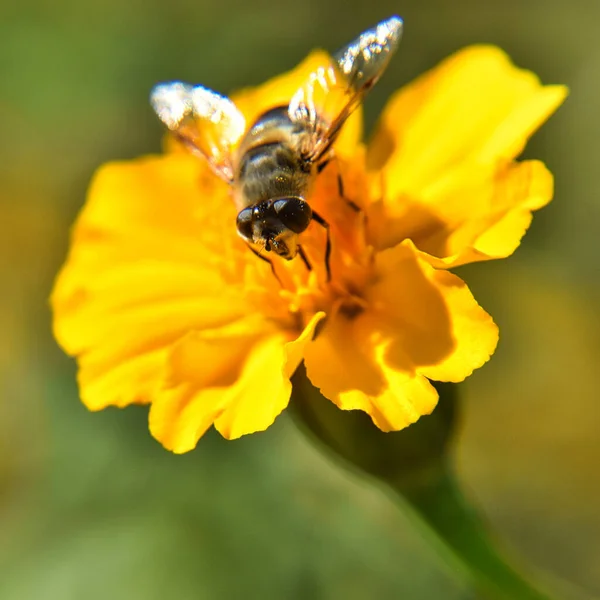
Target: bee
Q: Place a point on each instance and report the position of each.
(272, 163)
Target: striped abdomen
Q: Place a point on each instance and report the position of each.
(268, 163)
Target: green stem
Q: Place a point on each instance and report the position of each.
(463, 539)
(415, 464)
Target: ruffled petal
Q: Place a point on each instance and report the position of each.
(430, 317)
(483, 216)
(202, 368)
(421, 323)
(236, 377)
(347, 363)
(141, 274)
(475, 107)
(263, 389)
(444, 146)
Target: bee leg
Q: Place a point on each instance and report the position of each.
(323, 223)
(359, 212)
(257, 253)
(304, 258)
(321, 166)
(340, 181)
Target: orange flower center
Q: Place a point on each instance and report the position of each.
(299, 289)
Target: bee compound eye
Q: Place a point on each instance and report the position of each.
(294, 213)
(244, 223)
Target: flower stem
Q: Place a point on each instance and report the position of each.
(415, 464)
(462, 539)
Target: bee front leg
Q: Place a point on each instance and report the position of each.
(304, 258)
(355, 207)
(267, 260)
(332, 158)
(323, 223)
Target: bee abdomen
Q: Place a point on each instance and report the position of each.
(271, 170)
(266, 158)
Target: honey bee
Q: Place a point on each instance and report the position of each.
(272, 164)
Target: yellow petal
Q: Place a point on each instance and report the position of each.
(165, 207)
(444, 146)
(139, 276)
(278, 91)
(117, 348)
(91, 308)
(202, 369)
(420, 323)
(346, 362)
(534, 184)
(476, 106)
(263, 389)
(128, 381)
(471, 215)
(236, 377)
(443, 332)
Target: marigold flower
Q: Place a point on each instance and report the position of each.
(162, 303)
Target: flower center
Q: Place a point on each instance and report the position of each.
(313, 281)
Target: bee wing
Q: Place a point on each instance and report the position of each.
(208, 124)
(333, 92)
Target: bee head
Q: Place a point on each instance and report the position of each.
(275, 224)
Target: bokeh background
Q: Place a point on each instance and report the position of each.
(91, 507)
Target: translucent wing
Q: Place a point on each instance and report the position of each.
(206, 122)
(331, 93)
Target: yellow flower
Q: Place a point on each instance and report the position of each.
(162, 303)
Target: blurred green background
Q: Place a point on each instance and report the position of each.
(91, 507)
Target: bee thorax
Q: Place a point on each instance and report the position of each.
(269, 164)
